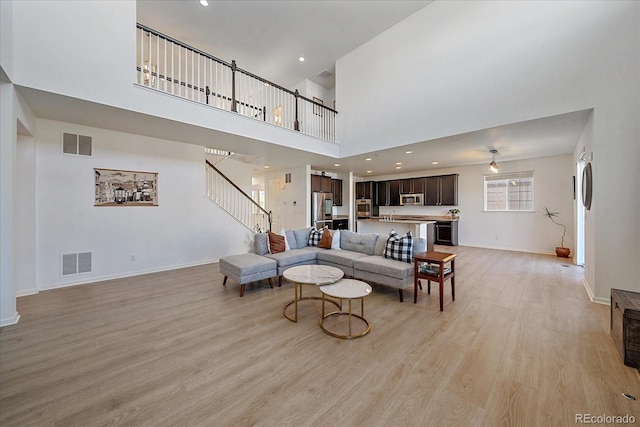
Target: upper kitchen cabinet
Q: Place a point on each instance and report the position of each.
(364, 189)
(412, 186)
(320, 184)
(381, 193)
(336, 189)
(441, 190)
(394, 192)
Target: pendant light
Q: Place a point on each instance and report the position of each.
(493, 166)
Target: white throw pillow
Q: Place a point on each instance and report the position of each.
(335, 240)
(286, 243)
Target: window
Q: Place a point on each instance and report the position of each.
(508, 192)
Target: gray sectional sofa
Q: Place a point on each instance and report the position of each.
(360, 256)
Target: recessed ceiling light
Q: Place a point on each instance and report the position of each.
(204, 3)
(398, 163)
(266, 166)
(336, 164)
(398, 167)
(434, 163)
(408, 152)
(301, 59)
(369, 171)
(368, 159)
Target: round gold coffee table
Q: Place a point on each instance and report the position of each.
(316, 275)
(349, 289)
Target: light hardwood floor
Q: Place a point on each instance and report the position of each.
(521, 346)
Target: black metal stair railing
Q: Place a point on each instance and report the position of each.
(173, 67)
(226, 194)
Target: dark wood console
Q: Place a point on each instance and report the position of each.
(625, 325)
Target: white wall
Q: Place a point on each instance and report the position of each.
(518, 231)
(185, 229)
(25, 217)
(87, 50)
(293, 210)
(6, 40)
(455, 67)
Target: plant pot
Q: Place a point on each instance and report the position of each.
(562, 252)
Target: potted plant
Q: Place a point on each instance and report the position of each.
(455, 213)
(561, 251)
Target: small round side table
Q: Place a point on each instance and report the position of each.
(348, 289)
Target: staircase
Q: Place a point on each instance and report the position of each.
(221, 190)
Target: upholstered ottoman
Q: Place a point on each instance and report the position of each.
(247, 268)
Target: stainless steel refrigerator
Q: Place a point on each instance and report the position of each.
(321, 207)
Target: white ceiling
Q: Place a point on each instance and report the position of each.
(267, 37)
(258, 35)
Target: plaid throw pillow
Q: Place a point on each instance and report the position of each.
(314, 237)
(399, 248)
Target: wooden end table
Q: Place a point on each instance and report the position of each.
(440, 275)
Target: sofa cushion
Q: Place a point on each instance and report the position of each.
(364, 243)
(294, 256)
(342, 257)
(276, 243)
(419, 245)
(335, 240)
(286, 242)
(291, 239)
(325, 240)
(383, 266)
(302, 237)
(314, 237)
(261, 244)
(399, 248)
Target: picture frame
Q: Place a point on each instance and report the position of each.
(115, 187)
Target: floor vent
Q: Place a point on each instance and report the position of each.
(80, 145)
(76, 263)
(565, 265)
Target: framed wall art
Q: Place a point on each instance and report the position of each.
(125, 188)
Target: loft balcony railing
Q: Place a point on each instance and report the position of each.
(170, 66)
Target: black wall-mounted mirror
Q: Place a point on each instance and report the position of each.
(587, 186)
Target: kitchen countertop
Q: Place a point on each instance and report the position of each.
(411, 219)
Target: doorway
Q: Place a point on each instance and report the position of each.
(580, 213)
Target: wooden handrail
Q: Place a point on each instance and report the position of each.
(260, 208)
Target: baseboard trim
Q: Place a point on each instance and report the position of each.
(593, 298)
(531, 251)
(10, 321)
(27, 292)
(123, 275)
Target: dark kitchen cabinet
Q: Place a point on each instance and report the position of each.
(336, 189)
(447, 233)
(320, 184)
(441, 190)
(363, 189)
(381, 193)
(394, 192)
(412, 186)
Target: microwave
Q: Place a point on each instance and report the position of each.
(411, 199)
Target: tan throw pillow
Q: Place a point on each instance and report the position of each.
(276, 243)
(325, 240)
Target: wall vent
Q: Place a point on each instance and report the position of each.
(80, 145)
(325, 74)
(76, 263)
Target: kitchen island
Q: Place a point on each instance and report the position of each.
(419, 228)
